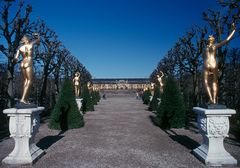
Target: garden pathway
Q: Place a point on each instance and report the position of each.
(118, 134)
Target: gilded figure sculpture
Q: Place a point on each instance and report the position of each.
(159, 78)
(210, 71)
(90, 87)
(76, 82)
(26, 49)
(152, 87)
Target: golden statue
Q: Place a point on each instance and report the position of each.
(90, 87)
(26, 50)
(152, 87)
(145, 88)
(159, 78)
(211, 66)
(76, 82)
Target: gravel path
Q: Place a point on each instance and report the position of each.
(119, 134)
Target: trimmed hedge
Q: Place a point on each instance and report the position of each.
(95, 97)
(146, 97)
(171, 113)
(87, 102)
(66, 114)
(154, 103)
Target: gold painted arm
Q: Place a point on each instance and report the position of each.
(15, 59)
(228, 38)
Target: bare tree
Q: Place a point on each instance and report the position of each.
(86, 75)
(232, 83)
(184, 60)
(153, 75)
(192, 45)
(72, 64)
(47, 54)
(61, 56)
(12, 28)
(233, 9)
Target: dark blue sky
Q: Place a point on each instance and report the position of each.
(120, 38)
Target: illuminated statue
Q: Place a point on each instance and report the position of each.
(159, 78)
(76, 82)
(211, 66)
(145, 88)
(26, 50)
(152, 88)
(90, 87)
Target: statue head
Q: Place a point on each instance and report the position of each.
(211, 39)
(77, 74)
(25, 39)
(160, 74)
(152, 85)
(89, 84)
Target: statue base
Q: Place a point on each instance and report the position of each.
(214, 106)
(159, 101)
(150, 98)
(23, 126)
(79, 103)
(21, 105)
(213, 125)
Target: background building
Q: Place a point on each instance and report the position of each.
(121, 83)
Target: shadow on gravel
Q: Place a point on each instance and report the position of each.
(232, 141)
(191, 125)
(4, 135)
(182, 139)
(153, 120)
(48, 141)
(4, 129)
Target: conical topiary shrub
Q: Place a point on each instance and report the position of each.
(98, 96)
(146, 96)
(87, 102)
(66, 114)
(171, 112)
(94, 97)
(154, 103)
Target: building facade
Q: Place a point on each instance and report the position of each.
(124, 83)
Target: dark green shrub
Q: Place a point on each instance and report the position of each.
(171, 112)
(146, 96)
(98, 96)
(87, 102)
(94, 97)
(66, 114)
(154, 103)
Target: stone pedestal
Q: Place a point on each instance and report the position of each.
(151, 97)
(213, 125)
(159, 101)
(23, 126)
(79, 103)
